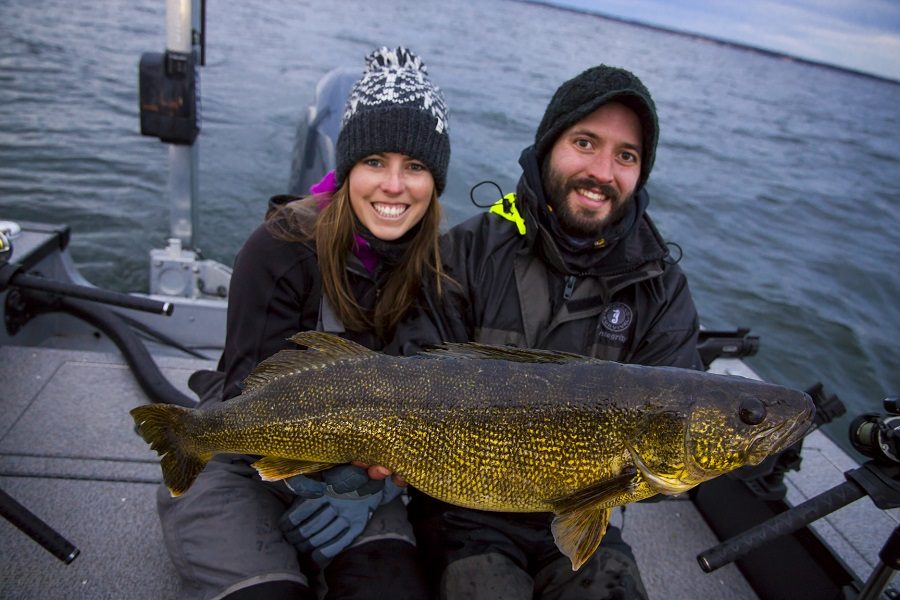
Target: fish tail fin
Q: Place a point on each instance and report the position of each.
(163, 427)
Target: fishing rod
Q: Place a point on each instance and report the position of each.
(14, 275)
(31, 525)
(11, 276)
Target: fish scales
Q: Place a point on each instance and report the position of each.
(493, 442)
(490, 428)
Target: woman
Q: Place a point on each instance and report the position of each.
(351, 259)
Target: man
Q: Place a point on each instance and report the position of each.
(571, 262)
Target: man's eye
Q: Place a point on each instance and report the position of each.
(630, 157)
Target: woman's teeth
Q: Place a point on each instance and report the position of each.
(389, 211)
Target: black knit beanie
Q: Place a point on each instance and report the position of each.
(395, 108)
(585, 93)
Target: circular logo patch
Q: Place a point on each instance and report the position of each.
(616, 317)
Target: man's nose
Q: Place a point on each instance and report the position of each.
(601, 167)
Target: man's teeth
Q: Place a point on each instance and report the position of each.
(592, 195)
(390, 211)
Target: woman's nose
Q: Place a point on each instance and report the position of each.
(393, 180)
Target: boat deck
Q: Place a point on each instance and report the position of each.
(68, 452)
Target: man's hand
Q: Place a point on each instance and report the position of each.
(378, 472)
(328, 515)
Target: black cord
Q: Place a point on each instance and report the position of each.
(475, 187)
(670, 258)
(161, 337)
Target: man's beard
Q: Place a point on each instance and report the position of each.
(573, 220)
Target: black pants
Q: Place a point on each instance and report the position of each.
(512, 556)
(370, 571)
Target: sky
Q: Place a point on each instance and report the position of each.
(862, 35)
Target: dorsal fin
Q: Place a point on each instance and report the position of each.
(510, 353)
(323, 349)
(328, 344)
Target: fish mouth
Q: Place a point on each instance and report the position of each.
(779, 436)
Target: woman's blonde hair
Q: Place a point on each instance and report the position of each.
(333, 229)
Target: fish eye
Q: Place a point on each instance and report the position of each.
(752, 411)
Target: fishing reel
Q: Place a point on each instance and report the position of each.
(8, 230)
(878, 436)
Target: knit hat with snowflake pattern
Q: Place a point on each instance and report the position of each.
(585, 93)
(395, 108)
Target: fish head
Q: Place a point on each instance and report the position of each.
(745, 424)
(724, 427)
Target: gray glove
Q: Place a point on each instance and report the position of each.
(328, 515)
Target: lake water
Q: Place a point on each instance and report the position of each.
(779, 180)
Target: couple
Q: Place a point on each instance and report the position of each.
(569, 262)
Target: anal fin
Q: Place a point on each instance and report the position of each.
(276, 468)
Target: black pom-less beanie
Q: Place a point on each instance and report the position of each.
(585, 93)
(395, 108)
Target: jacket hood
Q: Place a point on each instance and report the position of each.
(629, 243)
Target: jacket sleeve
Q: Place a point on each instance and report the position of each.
(671, 340)
(268, 301)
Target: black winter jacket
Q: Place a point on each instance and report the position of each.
(626, 302)
(275, 292)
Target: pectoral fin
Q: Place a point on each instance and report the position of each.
(276, 468)
(582, 516)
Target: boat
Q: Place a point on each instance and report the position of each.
(77, 485)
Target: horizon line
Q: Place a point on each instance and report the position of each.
(715, 40)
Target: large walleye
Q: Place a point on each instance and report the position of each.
(492, 428)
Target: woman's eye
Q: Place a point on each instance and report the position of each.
(583, 143)
(372, 162)
(417, 167)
